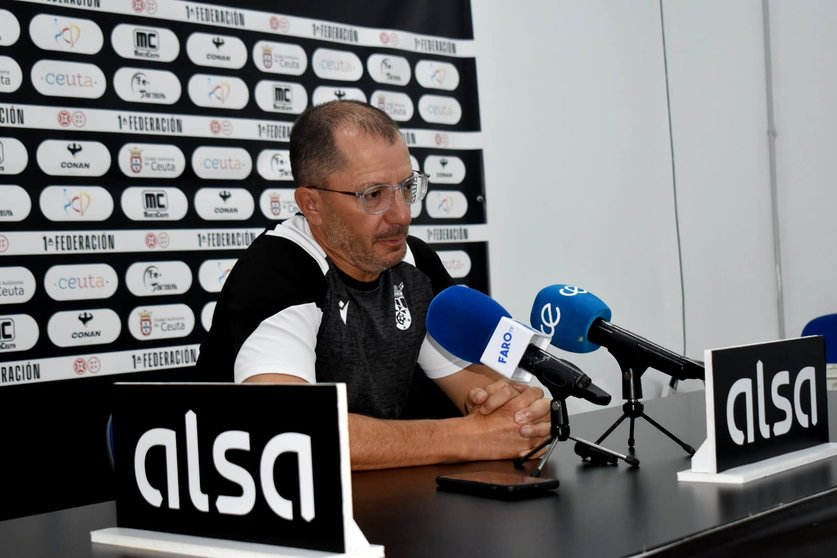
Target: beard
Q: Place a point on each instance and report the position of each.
(342, 238)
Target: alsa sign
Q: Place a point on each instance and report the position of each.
(234, 461)
(767, 400)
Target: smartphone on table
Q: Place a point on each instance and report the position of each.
(496, 485)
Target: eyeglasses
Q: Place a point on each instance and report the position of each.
(374, 199)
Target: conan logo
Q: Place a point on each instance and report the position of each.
(758, 408)
(245, 501)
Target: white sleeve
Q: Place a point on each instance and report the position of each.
(436, 361)
(284, 343)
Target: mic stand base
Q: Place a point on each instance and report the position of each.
(559, 432)
(600, 455)
(633, 409)
(632, 369)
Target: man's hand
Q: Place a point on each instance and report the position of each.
(532, 419)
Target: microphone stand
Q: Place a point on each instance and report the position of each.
(559, 431)
(633, 408)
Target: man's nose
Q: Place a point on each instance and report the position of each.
(399, 211)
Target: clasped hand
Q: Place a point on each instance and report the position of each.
(528, 407)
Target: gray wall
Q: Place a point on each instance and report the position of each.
(627, 152)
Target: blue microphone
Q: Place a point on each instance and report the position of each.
(463, 320)
(578, 321)
(476, 328)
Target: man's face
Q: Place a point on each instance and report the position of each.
(364, 245)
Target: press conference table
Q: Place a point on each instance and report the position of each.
(601, 511)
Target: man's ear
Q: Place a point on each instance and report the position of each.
(308, 202)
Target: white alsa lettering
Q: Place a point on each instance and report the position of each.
(743, 387)
(287, 442)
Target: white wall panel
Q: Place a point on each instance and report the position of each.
(715, 52)
(577, 162)
(805, 93)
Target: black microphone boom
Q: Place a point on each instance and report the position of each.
(562, 377)
(624, 344)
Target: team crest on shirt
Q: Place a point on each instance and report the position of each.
(402, 313)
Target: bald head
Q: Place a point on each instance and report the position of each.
(313, 150)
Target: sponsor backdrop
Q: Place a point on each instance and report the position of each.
(143, 145)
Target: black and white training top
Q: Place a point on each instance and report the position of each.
(286, 308)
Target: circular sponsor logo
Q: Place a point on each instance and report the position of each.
(80, 282)
(433, 74)
(340, 65)
(213, 274)
(73, 328)
(224, 204)
(73, 158)
(225, 92)
(444, 169)
(158, 278)
(140, 42)
(66, 34)
(457, 262)
(11, 76)
(281, 96)
(219, 51)
(17, 284)
(221, 163)
(15, 203)
(446, 204)
(76, 203)
(154, 203)
(324, 94)
(280, 58)
(439, 110)
(151, 160)
(18, 332)
(278, 203)
(163, 321)
(11, 28)
(91, 365)
(274, 164)
(13, 156)
(60, 78)
(389, 69)
(143, 85)
(398, 106)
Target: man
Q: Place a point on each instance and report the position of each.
(340, 294)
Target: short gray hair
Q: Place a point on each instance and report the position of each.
(313, 151)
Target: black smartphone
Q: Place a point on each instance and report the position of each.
(496, 485)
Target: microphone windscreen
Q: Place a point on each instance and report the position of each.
(462, 320)
(566, 313)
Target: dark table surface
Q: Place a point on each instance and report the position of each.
(612, 510)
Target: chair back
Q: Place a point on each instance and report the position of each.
(827, 327)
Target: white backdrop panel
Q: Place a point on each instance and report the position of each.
(578, 165)
(715, 53)
(805, 89)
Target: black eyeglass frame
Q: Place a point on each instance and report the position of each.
(423, 178)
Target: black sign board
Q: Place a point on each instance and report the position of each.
(763, 401)
(248, 462)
